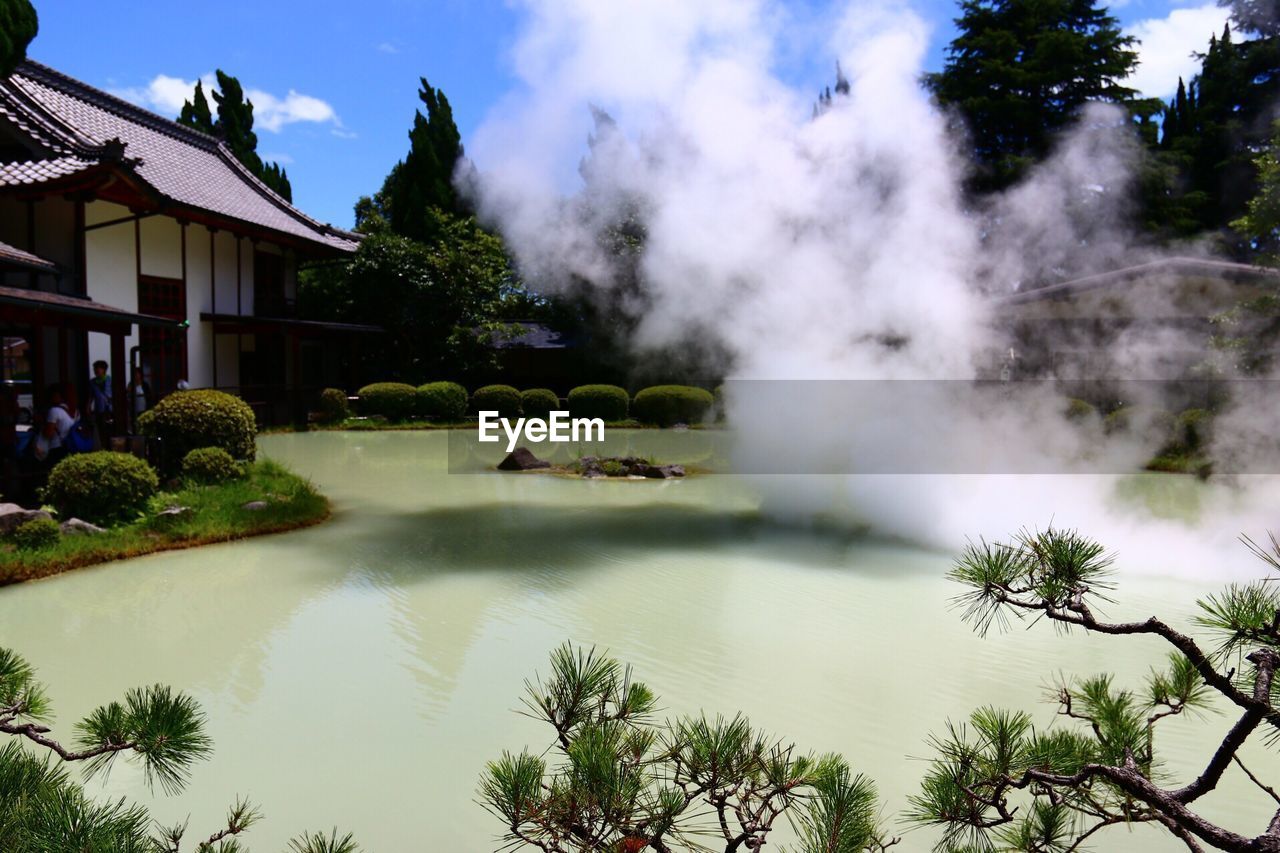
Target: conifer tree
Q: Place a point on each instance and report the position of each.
(18, 26)
(1019, 72)
(196, 113)
(234, 125)
(423, 180)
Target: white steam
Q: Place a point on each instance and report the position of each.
(827, 247)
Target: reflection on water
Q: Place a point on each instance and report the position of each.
(362, 672)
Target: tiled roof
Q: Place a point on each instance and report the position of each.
(36, 171)
(13, 256)
(78, 122)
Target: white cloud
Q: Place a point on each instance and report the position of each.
(388, 47)
(271, 113)
(1168, 44)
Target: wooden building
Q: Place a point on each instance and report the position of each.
(129, 238)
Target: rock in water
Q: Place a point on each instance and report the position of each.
(11, 515)
(661, 472)
(76, 526)
(522, 459)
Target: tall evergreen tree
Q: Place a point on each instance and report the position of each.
(423, 180)
(234, 125)
(1019, 72)
(196, 113)
(18, 26)
(1213, 133)
(1255, 16)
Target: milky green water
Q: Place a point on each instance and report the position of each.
(360, 673)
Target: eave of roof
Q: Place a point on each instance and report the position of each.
(249, 321)
(57, 303)
(12, 256)
(1165, 266)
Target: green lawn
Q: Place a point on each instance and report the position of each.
(217, 515)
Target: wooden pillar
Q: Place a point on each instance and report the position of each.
(119, 398)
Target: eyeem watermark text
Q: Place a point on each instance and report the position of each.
(558, 428)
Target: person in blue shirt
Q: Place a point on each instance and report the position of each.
(100, 402)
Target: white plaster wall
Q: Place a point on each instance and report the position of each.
(225, 269)
(110, 271)
(161, 247)
(199, 334)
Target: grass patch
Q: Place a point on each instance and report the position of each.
(217, 515)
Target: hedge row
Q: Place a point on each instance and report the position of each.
(663, 405)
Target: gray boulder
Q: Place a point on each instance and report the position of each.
(11, 515)
(79, 527)
(255, 506)
(522, 459)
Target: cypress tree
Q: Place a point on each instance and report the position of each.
(423, 180)
(195, 112)
(234, 125)
(18, 26)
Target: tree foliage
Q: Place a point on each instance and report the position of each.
(423, 181)
(18, 26)
(44, 810)
(434, 299)
(1019, 72)
(998, 782)
(622, 781)
(234, 125)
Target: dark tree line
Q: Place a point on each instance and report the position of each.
(1019, 73)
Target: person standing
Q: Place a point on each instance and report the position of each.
(100, 403)
(139, 397)
(51, 443)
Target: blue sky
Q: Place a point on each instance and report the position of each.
(335, 82)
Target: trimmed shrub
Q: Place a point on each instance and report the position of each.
(665, 405)
(607, 402)
(333, 405)
(101, 487)
(503, 399)
(446, 401)
(185, 420)
(36, 534)
(395, 401)
(210, 466)
(1079, 410)
(538, 402)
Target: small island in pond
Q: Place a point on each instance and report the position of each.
(593, 467)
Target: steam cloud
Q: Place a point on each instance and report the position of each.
(833, 246)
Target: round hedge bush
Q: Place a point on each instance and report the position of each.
(210, 466)
(185, 420)
(503, 399)
(538, 402)
(333, 405)
(607, 402)
(36, 534)
(395, 401)
(665, 405)
(446, 401)
(101, 487)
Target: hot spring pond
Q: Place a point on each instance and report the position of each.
(362, 672)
